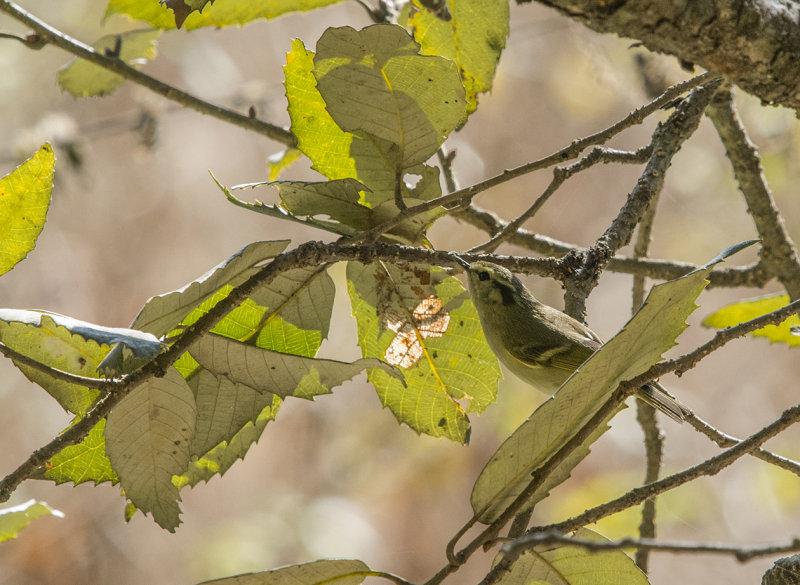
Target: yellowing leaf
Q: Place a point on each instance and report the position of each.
(740, 312)
(164, 312)
(565, 564)
(24, 200)
(377, 85)
(83, 79)
(220, 13)
(324, 572)
(473, 38)
(86, 461)
(16, 518)
(421, 319)
(147, 442)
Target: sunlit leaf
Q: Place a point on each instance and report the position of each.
(565, 564)
(278, 373)
(15, 518)
(281, 161)
(164, 312)
(732, 315)
(324, 572)
(24, 200)
(86, 461)
(376, 84)
(473, 37)
(422, 320)
(83, 79)
(649, 333)
(147, 441)
(217, 14)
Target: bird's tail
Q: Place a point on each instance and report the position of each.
(657, 396)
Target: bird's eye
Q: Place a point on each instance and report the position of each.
(483, 275)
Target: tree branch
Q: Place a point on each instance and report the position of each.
(742, 553)
(48, 34)
(778, 250)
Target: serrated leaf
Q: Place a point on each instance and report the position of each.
(324, 572)
(224, 407)
(147, 442)
(448, 373)
(338, 199)
(15, 518)
(83, 79)
(748, 309)
(648, 334)
(220, 13)
(24, 201)
(376, 84)
(221, 457)
(473, 38)
(278, 373)
(86, 461)
(565, 564)
(338, 154)
(163, 313)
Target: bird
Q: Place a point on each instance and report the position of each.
(538, 343)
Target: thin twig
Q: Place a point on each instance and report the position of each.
(724, 440)
(598, 154)
(646, 413)
(667, 141)
(755, 275)
(741, 552)
(566, 153)
(778, 250)
(96, 383)
(49, 34)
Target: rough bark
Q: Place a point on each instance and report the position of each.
(754, 43)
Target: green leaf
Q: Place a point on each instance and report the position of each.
(565, 564)
(473, 38)
(70, 345)
(86, 461)
(376, 85)
(221, 457)
(421, 320)
(83, 79)
(220, 13)
(338, 154)
(278, 373)
(338, 199)
(324, 572)
(649, 333)
(224, 407)
(15, 518)
(24, 200)
(748, 309)
(281, 161)
(163, 313)
(147, 441)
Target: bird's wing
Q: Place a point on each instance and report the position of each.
(564, 357)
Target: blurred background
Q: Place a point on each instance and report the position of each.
(135, 214)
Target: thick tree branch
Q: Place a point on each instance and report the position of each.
(755, 43)
(48, 34)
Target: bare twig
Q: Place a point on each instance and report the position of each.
(49, 34)
(560, 175)
(667, 140)
(724, 440)
(778, 250)
(742, 553)
(566, 153)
